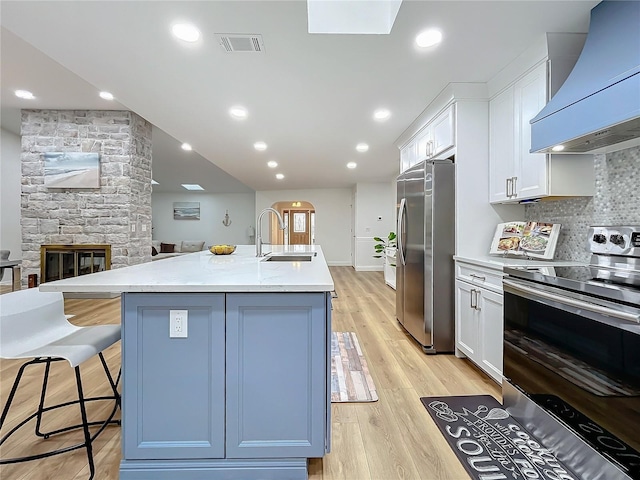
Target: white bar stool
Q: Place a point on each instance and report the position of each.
(33, 325)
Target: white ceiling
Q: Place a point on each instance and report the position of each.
(310, 97)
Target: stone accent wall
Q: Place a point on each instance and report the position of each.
(616, 202)
(118, 213)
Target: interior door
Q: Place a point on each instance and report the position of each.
(299, 227)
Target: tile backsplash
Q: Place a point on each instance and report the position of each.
(616, 202)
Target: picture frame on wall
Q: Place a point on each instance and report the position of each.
(71, 170)
(186, 210)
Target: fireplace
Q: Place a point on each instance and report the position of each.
(65, 261)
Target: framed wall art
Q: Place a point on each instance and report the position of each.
(186, 210)
(71, 170)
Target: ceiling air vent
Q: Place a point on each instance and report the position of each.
(232, 43)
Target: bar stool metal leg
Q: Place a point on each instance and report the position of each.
(42, 409)
(85, 425)
(45, 381)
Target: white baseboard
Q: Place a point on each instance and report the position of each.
(339, 264)
(370, 268)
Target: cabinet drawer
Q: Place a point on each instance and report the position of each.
(483, 277)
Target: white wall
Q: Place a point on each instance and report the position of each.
(375, 217)
(241, 207)
(10, 179)
(333, 218)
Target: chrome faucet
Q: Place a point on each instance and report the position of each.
(259, 228)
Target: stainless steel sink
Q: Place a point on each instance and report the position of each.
(287, 258)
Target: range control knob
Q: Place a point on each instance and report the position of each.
(617, 239)
(599, 238)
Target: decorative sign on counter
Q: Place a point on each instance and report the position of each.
(530, 239)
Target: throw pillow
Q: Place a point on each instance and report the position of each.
(167, 247)
(154, 252)
(192, 246)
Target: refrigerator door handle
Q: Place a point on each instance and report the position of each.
(401, 215)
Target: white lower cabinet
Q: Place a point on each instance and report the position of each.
(390, 267)
(479, 327)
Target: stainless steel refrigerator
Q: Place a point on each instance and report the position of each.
(426, 244)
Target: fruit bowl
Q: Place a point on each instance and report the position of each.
(222, 249)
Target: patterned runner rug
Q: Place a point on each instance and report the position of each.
(489, 443)
(350, 378)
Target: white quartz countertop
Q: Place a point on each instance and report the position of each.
(499, 263)
(203, 271)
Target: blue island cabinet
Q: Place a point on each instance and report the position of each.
(246, 395)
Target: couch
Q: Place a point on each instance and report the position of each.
(167, 249)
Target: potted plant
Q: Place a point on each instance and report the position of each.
(387, 248)
(383, 244)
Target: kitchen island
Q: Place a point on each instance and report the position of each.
(225, 362)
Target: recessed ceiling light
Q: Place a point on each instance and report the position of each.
(187, 147)
(558, 148)
(352, 165)
(362, 147)
(106, 95)
(153, 182)
(186, 32)
(429, 38)
(279, 176)
(26, 94)
(238, 112)
(192, 186)
(381, 114)
(272, 164)
(260, 146)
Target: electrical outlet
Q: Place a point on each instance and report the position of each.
(144, 227)
(178, 323)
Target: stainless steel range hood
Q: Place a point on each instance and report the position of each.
(599, 103)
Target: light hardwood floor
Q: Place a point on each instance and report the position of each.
(393, 438)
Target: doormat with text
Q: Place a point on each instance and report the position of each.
(594, 434)
(489, 443)
(350, 378)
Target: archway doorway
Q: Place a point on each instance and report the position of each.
(299, 220)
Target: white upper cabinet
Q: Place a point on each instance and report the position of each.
(435, 138)
(514, 173)
(408, 155)
(501, 146)
(441, 133)
(531, 169)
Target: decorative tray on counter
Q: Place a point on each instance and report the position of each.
(222, 249)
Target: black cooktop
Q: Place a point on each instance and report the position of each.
(609, 284)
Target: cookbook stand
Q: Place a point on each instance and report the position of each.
(530, 240)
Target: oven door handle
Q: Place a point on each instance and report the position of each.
(592, 307)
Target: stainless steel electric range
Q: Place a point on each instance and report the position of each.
(572, 355)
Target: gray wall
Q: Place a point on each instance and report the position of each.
(210, 229)
(10, 238)
(117, 213)
(616, 202)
